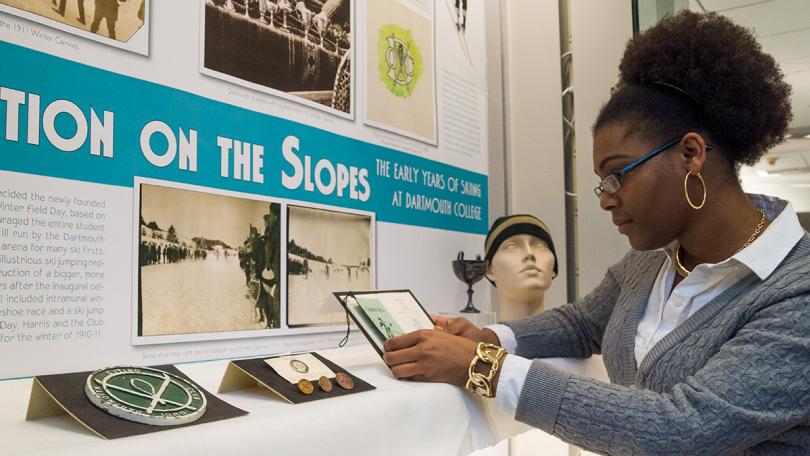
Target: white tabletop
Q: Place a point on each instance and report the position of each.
(399, 417)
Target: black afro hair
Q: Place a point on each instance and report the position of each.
(702, 72)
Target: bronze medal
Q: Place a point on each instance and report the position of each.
(325, 384)
(306, 386)
(344, 381)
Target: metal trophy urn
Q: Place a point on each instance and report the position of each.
(469, 272)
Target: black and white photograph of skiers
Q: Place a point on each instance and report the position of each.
(207, 262)
(297, 49)
(327, 251)
(117, 20)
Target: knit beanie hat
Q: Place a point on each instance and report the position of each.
(510, 225)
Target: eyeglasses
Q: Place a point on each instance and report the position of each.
(613, 182)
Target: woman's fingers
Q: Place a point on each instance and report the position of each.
(408, 370)
(458, 326)
(404, 341)
(402, 356)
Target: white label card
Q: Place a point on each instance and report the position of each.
(296, 367)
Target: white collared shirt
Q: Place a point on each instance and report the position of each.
(665, 310)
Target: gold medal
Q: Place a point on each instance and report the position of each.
(344, 381)
(325, 384)
(306, 386)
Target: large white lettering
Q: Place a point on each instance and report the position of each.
(187, 149)
(329, 178)
(99, 128)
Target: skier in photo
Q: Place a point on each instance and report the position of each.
(105, 9)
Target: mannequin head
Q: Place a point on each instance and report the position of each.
(521, 264)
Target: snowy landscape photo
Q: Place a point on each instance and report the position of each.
(207, 262)
(327, 251)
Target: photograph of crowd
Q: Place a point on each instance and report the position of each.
(206, 262)
(300, 50)
(117, 20)
(327, 251)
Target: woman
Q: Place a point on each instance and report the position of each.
(705, 326)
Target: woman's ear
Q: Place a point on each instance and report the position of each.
(695, 152)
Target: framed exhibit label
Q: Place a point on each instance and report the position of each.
(381, 315)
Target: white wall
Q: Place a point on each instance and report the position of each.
(495, 106)
(600, 30)
(533, 121)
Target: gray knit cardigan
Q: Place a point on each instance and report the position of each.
(734, 378)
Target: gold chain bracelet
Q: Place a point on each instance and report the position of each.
(480, 383)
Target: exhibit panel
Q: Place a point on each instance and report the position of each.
(213, 174)
(181, 202)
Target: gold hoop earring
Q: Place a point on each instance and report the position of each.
(686, 191)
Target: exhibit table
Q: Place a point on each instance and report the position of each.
(399, 417)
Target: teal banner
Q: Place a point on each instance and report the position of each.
(69, 120)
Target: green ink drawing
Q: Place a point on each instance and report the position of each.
(400, 61)
(379, 316)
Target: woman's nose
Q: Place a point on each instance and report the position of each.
(607, 202)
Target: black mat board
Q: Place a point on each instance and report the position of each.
(260, 370)
(68, 390)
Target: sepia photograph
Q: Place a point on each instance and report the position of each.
(206, 262)
(113, 22)
(298, 50)
(400, 65)
(327, 251)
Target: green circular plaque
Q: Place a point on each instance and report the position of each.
(145, 395)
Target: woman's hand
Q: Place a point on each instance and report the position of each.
(462, 327)
(431, 355)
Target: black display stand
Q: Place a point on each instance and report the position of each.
(249, 373)
(63, 394)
